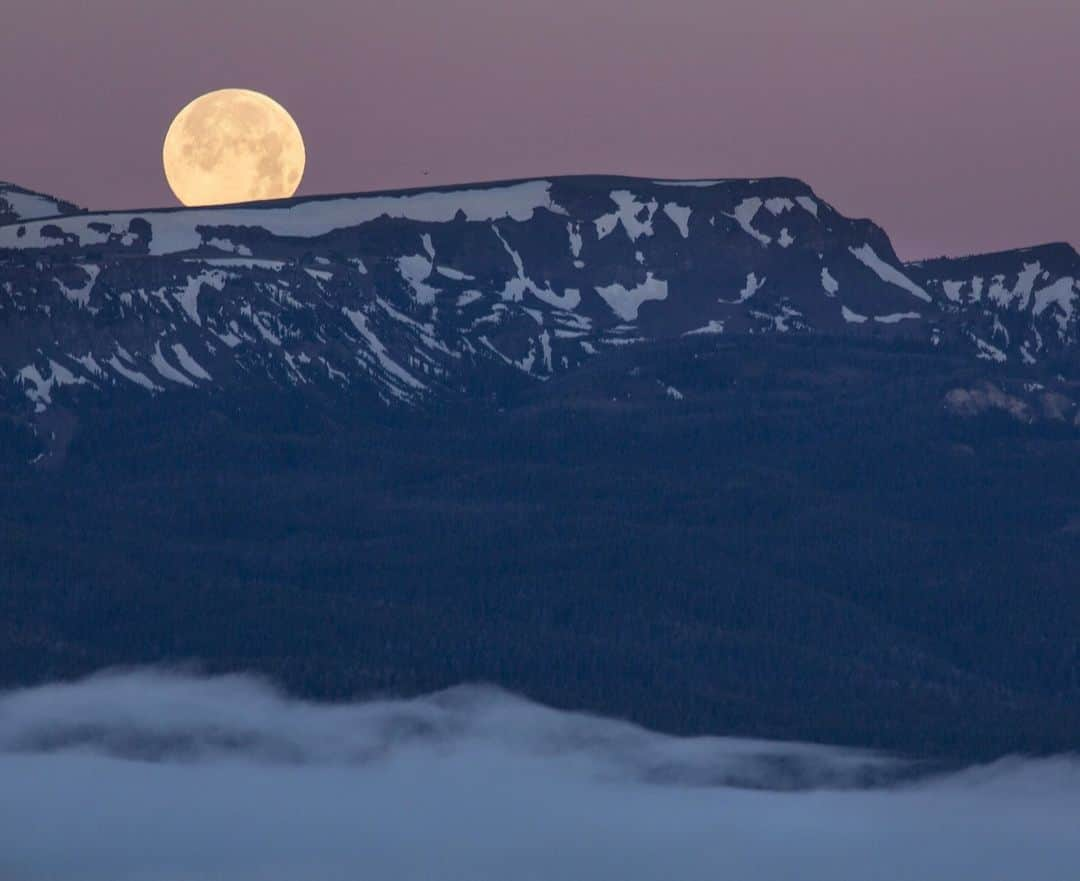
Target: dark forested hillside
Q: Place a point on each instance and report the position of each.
(781, 537)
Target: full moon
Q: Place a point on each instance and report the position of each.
(233, 145)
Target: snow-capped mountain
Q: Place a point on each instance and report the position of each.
(704, 454)
(17, 204)
(1020, 303)
(420, 296)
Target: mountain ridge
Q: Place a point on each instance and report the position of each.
(497, 182)
(414, 294)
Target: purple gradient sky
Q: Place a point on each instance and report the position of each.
(954, 123)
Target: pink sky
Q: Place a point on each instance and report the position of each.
(953, 123)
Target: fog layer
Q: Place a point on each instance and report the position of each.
(167, 776)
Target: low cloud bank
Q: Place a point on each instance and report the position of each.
(174, 777)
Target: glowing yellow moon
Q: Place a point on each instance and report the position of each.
(233, 145)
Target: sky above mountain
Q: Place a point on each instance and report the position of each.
(951, 122)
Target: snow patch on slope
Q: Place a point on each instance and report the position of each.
(516, 287)
(680, 216)
(188, 363)
(39, 388)
(988, 352)
(712, 327)
(134, 376)
(166, 370)
(175, 231)
(888, 273)
(744, 215)
(1025, 284)
(28, 206)
(897, 317)
(399, 373)
(627, 214)
(1060, 293)
(752, 286)
(574, 231)
(416, 270)
(778, 206)
(625, 302)
(81, 295)
(188, 296)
